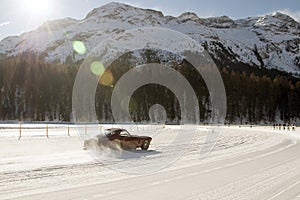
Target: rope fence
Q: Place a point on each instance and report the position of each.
(22, 130)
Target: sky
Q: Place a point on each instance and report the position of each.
(18, 16)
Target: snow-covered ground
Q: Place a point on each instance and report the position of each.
(245, 163)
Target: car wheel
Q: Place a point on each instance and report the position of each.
(85, 145)
(145, 145)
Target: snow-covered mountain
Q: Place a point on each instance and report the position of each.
(270, 41)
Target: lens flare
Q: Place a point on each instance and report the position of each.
(107, 78)
(79, 47)
(97, 68)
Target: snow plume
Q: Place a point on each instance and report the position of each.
(293, 14)
(104, 148)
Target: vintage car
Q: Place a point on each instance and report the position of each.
(117, 137)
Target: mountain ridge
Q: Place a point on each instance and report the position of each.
(271, 41)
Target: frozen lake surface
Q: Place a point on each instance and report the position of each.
(245, 163)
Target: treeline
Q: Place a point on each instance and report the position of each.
(253, 98)
(34, 90)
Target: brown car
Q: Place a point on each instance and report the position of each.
(117, 137)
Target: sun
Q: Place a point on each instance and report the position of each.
(37, 8)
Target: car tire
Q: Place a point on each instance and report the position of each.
(85, 145)
(145, 145)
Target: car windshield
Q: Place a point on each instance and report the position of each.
(124, 133)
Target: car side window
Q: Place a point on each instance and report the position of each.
(124, 134)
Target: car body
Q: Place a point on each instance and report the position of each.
(117, 137)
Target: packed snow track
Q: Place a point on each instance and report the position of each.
(245, 163)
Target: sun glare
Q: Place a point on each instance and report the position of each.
(37, 8)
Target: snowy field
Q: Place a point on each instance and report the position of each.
(245, 163)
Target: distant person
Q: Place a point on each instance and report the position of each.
(274, 126)
(283, 126)
(279, 126)
(294, 127)
(288, 126)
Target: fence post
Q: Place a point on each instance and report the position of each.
(47, 131)
(20, 131)
(68, 129)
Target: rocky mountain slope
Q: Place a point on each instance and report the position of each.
(270, 41)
